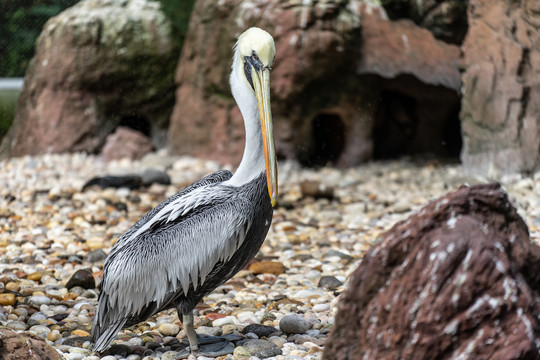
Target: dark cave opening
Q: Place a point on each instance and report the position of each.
(407, 126)
(136, 122)
(327, 140)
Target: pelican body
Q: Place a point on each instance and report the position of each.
(200, 237)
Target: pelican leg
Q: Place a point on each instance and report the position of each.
(187, 321)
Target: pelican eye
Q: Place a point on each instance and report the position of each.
(250, 62)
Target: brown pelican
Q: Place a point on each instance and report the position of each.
(203, 235)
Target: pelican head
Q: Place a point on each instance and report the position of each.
(254, 54)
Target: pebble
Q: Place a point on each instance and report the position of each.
(259, 330)
(40, 330)
(292, 324)
(209, 330)
(169, 329)
(95, 256)
(241, 353)
(267, 267)
(16, 325)
(39, 300)
(50, 230)
(223, 321)
(261, 348)
(329, 282)
(321, 307)
(7, 299)
(37, 318)
(79, 332)
(153, 176)
(82, 278)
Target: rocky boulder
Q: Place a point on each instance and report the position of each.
(98, 65)
(327, 81)
(14, 346)
(458, 279)
(126, 143)
(446, 19)
(501, 92)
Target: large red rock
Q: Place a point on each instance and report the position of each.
(501, 91)
(459, 279)
(99, 64)
(334, 63)
(27, 346)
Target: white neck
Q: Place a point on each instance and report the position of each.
(252, 163)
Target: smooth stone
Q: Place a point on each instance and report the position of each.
(120, 350)
(208, 330)
(320, 307)
(76, 350)
(169, 329)
(54, 335)
(37, 318)
(333, 252)
(95, 256)
(229, 329)
(109, 357)
(74, 356)
(222, 321)
(82, 278)
(17, 325)
(241, 353)
(7, 299)
(153, 176)
(278, 340)
(40, 330)
(89, 294)
(135, 341)
(79, 332)
(259, 330)
(39, 300)
(304, 294)
(329, 282)
(169, 355)
(292, 324)
(76, 341)
(261, 348)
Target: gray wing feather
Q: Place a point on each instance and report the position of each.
(109, 317)
(180, 256)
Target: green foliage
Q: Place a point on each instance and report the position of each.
(178, 12)
(21, 22)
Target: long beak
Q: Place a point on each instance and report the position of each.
(261, 83)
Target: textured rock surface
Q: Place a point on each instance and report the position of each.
(99, 64)
(417, 100)
(501, 92)
(26, 346)
(458, 279)
(126, 143)
(327, 79)
(446, 19)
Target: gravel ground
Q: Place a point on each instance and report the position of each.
(49, 229)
